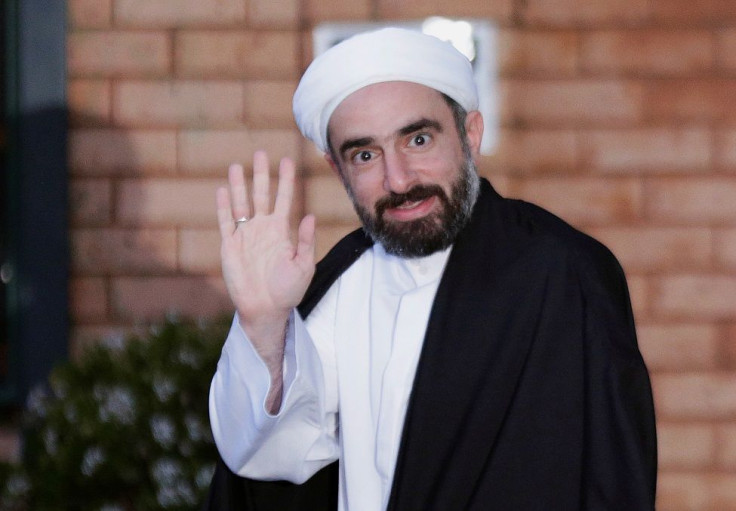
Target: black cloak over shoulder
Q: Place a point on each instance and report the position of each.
(530, 393)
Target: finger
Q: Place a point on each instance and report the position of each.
(285, 191)
(305, 247)
(224, 213)
(260, 183)
(238, 192)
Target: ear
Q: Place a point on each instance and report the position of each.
(474, 129)
(335, 167)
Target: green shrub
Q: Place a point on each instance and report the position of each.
(124, 427)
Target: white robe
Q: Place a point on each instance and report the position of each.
(348, 373)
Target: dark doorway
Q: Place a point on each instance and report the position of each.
(4, 210)
(33, 247)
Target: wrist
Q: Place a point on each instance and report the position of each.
(270, 326)
(267, 335)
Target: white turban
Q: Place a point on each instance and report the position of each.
(385, 55)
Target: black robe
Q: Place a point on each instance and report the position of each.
(530, 392)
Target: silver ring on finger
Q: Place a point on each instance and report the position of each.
(241, 220)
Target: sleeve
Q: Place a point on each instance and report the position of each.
(621, 447)
(298, 441)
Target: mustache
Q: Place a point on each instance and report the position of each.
(417, 193)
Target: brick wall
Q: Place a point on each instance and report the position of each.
(618, 115)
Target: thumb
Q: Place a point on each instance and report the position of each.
(306, 241)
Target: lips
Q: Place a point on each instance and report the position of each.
(410, 210)
(412, 199)
(409, 205)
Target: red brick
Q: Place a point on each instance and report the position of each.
(726, 452)
(500, 182)
(702, 396)
(646, 150)
(692, 201)
(90, 202)
(728, 347)
(88, 299)
(642, 249)
(621, 124)
(723, 492)
(199, 250)
(313, 159)
(208, 260)
(524, 52)
(167, 202)
(327, 200)
(679, 346)
(639, 294)
(273, 13)
(692, 491)
(123, 251)
(536, 151)
(688, 491)
(151, 298)
(727, 48)
(725, 247)
(95, 54)
(268, 104)
(89, 13)
(691, 99)
(179, 103)
(686, 446)
(179, 13)
(585, 12)
(211, 152)
(267, 54)
(328, 234)
(725, 149)
(116, 151)
(648, 52)
(316, 11)
(89, 102)
(688, 12)
(571, 102)
(584, 201)
(413, 9)
(696, 296)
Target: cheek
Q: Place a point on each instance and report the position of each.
(367, 187)
(441, 171)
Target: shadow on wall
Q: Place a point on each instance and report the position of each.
(144, 238)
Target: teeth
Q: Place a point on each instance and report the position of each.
(409, 205)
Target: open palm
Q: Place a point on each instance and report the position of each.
(265, 271)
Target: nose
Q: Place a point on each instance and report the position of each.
(398, 175)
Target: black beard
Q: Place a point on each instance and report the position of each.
(432, 233)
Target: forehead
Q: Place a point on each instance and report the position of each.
(379, 109)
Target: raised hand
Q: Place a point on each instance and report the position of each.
(265, 271)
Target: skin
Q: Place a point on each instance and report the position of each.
(390, 137)
(387, 138)
(266, 273)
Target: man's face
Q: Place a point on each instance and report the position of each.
(411, 178)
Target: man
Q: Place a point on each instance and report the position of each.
(460, 351)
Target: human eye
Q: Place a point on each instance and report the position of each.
(420, 139)
(362, 156)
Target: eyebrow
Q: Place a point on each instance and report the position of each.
(354, 142)
(421, 124)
